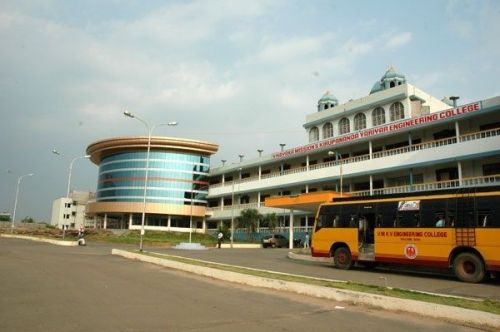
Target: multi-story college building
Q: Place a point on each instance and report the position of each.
(397, 139)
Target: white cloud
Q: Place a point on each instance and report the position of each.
(292, 49)
(399, 40)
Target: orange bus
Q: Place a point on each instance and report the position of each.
(460, 230)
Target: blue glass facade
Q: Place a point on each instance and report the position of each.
(173, 178)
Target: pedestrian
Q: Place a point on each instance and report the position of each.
(81, 230)
(81, 239)
(220, 237)
(306, 240)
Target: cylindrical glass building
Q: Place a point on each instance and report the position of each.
(177, 182)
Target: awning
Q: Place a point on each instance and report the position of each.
(304, 202)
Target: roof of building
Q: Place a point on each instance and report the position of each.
(100, 149)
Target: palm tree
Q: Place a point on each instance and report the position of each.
(249, 219)
(271, 221)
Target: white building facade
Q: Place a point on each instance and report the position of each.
(69, 212)
(397, 139)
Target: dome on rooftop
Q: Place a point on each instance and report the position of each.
(391, 73)
(328, 97)
(391, 79)
(376, 87)
(327, 101)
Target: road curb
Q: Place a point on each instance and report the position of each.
(453, 314)
(308, 258)
(41, 239)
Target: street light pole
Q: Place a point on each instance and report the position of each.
(233, 206)
(150, 131)
(70, 169)
(15, 201)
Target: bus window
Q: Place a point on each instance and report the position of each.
(386, 214)
(465, 212)
(488, 214)
(484, 218)
(349, 216)
(450, 219)
(432, 213)
(407, 219)
(439, 219)
(328, 217)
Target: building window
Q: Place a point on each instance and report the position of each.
(359, 121)
(397, 111)
(327, 130)
(491, 169)
(313, 134)
(378, 116)
(344, 126)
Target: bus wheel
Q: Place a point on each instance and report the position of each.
(468, 267)
(342, 258)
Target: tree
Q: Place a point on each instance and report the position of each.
(271, 221)
(28, 220)
(225, 232)
(4, 217)
(249, 219)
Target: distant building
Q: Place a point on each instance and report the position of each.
(70, 211)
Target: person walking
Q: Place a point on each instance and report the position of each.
(220, 237)
(306, 240)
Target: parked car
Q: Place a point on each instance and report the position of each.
(274, 240)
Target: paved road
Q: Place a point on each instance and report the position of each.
(277, 260)
(51, 288)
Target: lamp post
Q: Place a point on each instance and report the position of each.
(19, 179)
(150, 131)
(232, 209)
(339, 157)
(282, 145)
(70, 170)
(56, 152)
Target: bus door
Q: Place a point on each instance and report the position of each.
(366, 234)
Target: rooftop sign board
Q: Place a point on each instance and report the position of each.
(390, 127)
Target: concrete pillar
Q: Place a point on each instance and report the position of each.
(258, 199)
(290, 242)
(370, 148)
(169, 221)
(105, 226)
(459, 167)
(457, 130)
(371, 185)
(204, 225)
(307, 162)
(260, 171)
(130, 220)
(222, 203)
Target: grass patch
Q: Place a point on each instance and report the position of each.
(152, 238)
(487, 305)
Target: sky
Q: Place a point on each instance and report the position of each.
(242, 74)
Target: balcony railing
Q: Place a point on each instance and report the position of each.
(489, 180)
(375, 155)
